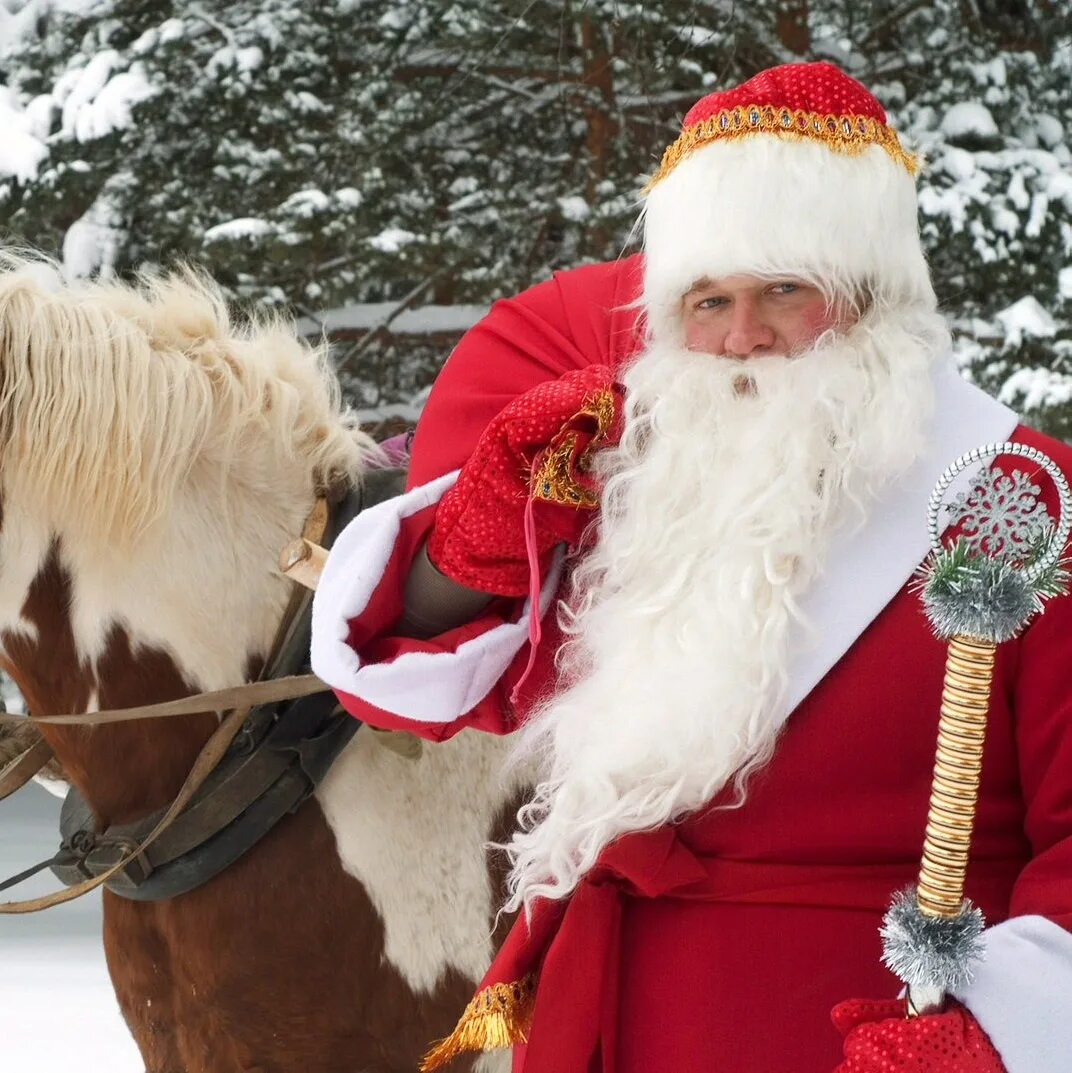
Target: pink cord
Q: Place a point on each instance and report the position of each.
(535, 630)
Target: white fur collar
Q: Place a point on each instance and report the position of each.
(867, 567)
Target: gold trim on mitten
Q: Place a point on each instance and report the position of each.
(553, 481)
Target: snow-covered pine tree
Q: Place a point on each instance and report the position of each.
(433, 150)
(984, 90)
(188, 130)
(996, 198)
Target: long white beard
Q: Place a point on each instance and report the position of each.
(717, 512)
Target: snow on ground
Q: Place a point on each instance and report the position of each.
(57, 1010)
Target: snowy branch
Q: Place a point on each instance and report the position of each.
(369, 337)
(225, 31)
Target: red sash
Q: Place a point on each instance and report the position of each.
(572, 946)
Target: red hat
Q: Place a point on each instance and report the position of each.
(795, 172)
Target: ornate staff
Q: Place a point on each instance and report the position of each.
(1005, 563)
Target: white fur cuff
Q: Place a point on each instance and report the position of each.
(430, 687)
(1022, 994)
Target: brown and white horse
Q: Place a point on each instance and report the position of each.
(153, 461)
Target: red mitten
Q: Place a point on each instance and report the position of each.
(879, 1038)
(532, 457)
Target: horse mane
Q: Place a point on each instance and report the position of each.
(112, 393)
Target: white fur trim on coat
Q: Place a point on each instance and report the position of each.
(429, 687)
(1022, 994)
(868, 566)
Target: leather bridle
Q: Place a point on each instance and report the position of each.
(235, 705)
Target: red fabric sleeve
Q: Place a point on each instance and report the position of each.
(370, 634)
(576, 319)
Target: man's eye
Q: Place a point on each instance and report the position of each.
(710, 303)
(786, 288)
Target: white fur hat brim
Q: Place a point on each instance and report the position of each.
(775, 207)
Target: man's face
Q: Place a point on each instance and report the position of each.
(750, 317)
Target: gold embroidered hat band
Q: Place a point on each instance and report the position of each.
(814, 101)
(850, 134)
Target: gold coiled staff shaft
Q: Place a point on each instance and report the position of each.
(969, 670)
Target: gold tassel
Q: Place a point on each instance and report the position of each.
(497, 1017)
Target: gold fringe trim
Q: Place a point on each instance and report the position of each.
(553, 482)
(602, 408)
(497, 1017)
(850, 134)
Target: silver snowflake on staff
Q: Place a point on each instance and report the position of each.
(1001, 515)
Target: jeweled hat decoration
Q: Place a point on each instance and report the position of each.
(797, 172)
(1005, 563)
(814, 101)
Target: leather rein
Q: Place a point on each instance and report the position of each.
(237, 705)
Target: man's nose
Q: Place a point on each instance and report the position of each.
(749, 333)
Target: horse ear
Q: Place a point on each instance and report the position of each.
(333, 487)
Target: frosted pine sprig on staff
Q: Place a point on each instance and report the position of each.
(971, 596)
(980, 592)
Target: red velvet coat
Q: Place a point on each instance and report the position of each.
(722, 944)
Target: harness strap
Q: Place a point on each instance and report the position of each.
(206, 761)
(273, 765)
(315, 745)
(219, 700)
(17, 773)
(14, 881)
(249, 696)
